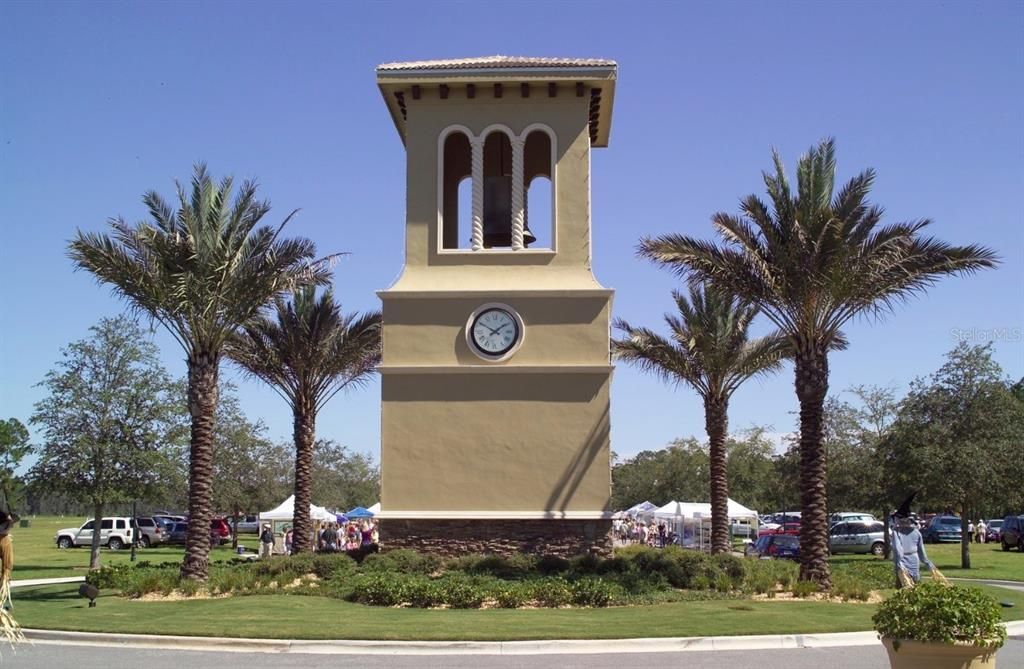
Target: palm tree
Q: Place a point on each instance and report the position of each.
(201, 271)
(811, 263)
(709, 349)
(308, 353)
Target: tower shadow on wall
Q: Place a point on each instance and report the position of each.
(578, 467)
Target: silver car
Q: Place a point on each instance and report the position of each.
(857, 537)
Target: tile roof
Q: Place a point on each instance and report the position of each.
(496, 62)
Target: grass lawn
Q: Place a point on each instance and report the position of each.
(289, 616)
(988, 561)
(36, 554)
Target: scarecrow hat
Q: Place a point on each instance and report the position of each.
(903, 511)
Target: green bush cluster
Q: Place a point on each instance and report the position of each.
(634, 575)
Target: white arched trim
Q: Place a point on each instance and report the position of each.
(553, 163)
(476, 145)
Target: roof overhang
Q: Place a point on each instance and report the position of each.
(598, 76)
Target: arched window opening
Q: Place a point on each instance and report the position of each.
(465, 223)
(538, 209)
(456, 212)
(497, 191)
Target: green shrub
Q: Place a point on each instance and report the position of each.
(804, 588)
(590, 591)
(722, 582)
(549, 565)
(514, 566)
(638, 583)
(511, 595)
(848, 587)
(617, 564)
(941, 613)
(401, 561)
(330, 565)
(460, 592)
(381, 589)
(732, 567)
(552, 592)
(588, 564)
(870, 574)
(114, 576)
(238, 580)
(424, 593)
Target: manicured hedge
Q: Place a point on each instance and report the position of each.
(633, 575)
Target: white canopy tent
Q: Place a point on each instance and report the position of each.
(692, 520)
(375, 509)
(286, 511)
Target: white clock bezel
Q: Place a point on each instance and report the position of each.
(484, 355)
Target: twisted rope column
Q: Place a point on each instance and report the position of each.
(477, 171)
(518, 194)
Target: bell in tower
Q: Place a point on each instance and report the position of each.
(498, 195)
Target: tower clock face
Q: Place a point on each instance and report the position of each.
(494, 331)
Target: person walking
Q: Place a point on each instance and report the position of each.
(266, 542)
(970, 532)
(980, 529)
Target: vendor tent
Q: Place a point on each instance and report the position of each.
(375, 509)
(360, 512)
(642, 507)
(286, 511)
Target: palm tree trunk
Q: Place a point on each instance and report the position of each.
(203, 370)
(305, 430)
(811, 389)
(716, 422)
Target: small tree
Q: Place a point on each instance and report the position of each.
(14, 445)
(109, 415)
(343, 479)
(954, 436)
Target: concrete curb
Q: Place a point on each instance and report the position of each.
(343, 647)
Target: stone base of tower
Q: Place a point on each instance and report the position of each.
(456, 537)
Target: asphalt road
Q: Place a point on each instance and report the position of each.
(41, 656)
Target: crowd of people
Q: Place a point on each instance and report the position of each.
(327, 537)
(630, 531)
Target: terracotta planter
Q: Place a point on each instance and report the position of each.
(934, 655)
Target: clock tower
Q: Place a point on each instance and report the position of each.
(495, 373)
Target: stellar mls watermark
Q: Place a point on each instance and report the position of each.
(979, 335)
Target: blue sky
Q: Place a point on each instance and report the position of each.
(101, 101)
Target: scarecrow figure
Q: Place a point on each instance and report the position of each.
(8, 626)
(907, 546)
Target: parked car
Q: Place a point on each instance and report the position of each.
(149, 531)
(177, 534)
(994, 532)
(857, 537)
(219, 528)
(775, 546)
(246, 524)
(115, 533)
(1012, 533)
(788, 528)
(941, 528)
(847, 516)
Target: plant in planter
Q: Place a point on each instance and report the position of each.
(936, 626)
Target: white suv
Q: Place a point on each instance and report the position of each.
(114, 532)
